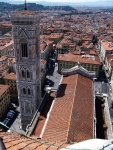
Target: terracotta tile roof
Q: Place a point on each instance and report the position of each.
(11, 76)
(75, 58)
(72, 111)
(6, 45)
(107, 45)
(14, 141)
(81, 124)
(49, 42)
(55, 35)
(43, 61)
(43, 115)
(110, 59)
(93, 52)
(25, 12)
(5, 25)
(3, 88)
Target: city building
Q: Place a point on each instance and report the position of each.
(5, 46)
(44, 48)
(26, 36)
(5, 27)
(105, 47)
(75, 107)
(89, 62)
(4, 66)
(106, 54)
(4, 99)
(56, 37)
(10, 79)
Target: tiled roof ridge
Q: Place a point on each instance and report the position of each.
(34, 140)
(73, 106)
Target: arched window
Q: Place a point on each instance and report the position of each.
(29, 92)
(28, 74)
(24, 91)
(24, 48)
(23, 74)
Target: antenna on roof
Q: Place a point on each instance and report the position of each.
(25, 8)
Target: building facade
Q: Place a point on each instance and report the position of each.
(27, 55)
(4, 99)
(5, 47)
(67, 61)
(10, 79)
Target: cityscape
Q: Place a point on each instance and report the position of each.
(56, 75)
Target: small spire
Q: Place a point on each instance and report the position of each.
(25, 8)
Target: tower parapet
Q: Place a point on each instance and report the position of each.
(25, 16)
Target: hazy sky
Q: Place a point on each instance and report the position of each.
(74, 1)
(71, 0)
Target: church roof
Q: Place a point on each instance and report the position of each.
(71, 116)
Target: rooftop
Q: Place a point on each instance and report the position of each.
(11, 76)
(3, 88)
(25, 12)
(79, 58)
(15, 141)
(4, 45)
(107, 45)
(71, 117)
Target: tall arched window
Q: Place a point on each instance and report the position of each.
(24, 49)
(23, 74)
(24, 91)
(29, 91)
(28, 74)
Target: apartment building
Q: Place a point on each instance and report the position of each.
(10, 79)
(4, 99)
(4, 28)
(106, 54)
(56, 37)
(4, 66)
(44, 47)
(5, 46)
(89, 62)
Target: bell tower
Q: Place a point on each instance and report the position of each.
(26, 37)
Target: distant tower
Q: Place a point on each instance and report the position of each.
(26, 36)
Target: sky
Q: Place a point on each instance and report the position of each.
(71, 0)
(74, 1)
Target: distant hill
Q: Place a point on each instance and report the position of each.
(102, 3)
(4, 6)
